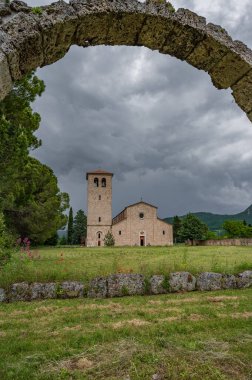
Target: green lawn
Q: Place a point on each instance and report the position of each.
(196, 336)
(56, 264)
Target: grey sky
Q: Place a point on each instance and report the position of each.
(157, 123)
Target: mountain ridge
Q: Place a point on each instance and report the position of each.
(215, 221)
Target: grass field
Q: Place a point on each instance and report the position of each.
(196, 336)
(56, 264)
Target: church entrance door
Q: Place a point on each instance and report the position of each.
(142, 241)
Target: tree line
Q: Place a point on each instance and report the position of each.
(191, 228)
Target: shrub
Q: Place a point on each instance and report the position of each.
(109, 240)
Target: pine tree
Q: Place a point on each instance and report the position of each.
(70, 227)
(79, 227)
(109, 240)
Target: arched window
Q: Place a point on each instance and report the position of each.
(99, 235)
(103, 182)
(96, 182)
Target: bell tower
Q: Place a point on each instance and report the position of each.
(99, 206)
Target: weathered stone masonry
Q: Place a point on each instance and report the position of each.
(119, 285)
(34, 38)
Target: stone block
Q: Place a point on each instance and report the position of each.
(12, 56)
(242, 92)
(43, 291)
(58, 23)
(228, 281)
(182, 281)
(211, 49)
(24, 34)
(19, 292)
(125, 284)
(98, 288)
(232, 67)
(157, 285)
(71, 289)
(187, 32)
(209, 281)
(244, 280)
(2, 295)
(5, 77)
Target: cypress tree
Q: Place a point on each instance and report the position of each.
(70, 227)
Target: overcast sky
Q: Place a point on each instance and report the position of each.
(157, 123)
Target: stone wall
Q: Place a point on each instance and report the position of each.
(226, 242)
(31, 38)
(119, 285)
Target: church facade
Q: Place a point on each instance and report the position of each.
(137, 225)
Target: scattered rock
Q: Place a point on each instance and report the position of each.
(2, 295)
(244, 280)
(228, 281)
(157, 285)
(182, 281)
(43, 291)
(125, 284)
(20, 292)
(98, 288)
(71, 289)
(209, 281)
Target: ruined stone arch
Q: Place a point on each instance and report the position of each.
(31, 38)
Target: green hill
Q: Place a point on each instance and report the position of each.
(215, 221)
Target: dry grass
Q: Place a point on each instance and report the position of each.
(201, 336)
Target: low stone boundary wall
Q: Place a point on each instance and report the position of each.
(226, 242)
(119, 285)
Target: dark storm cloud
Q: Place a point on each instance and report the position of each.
(157, 123)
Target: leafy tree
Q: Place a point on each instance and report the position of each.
(79, 227)
(52, 241)
(192, 228)
(109, 240)
(17, 126)
(5, 242)
(237, 229)
(176, 228)
(37, 207)
(70, 227)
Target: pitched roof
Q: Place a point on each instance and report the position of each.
(99, 171)
(145, 203)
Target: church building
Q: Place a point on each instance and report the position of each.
(137, 225)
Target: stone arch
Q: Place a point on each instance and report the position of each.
(31, 38)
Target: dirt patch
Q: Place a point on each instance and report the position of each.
(45, 309)
(77, 364)
(222, 298)
(19, 312)
(72, 328)
(244, 315)
(196, 317)
(132, 322)
(2, 334)
(168, 319)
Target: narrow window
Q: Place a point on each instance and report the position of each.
(99, 235)
(141, 215)
(163, 232)
(103, 182)
(99, 197)
(99, 219)
(96, 182)
(120, 232)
